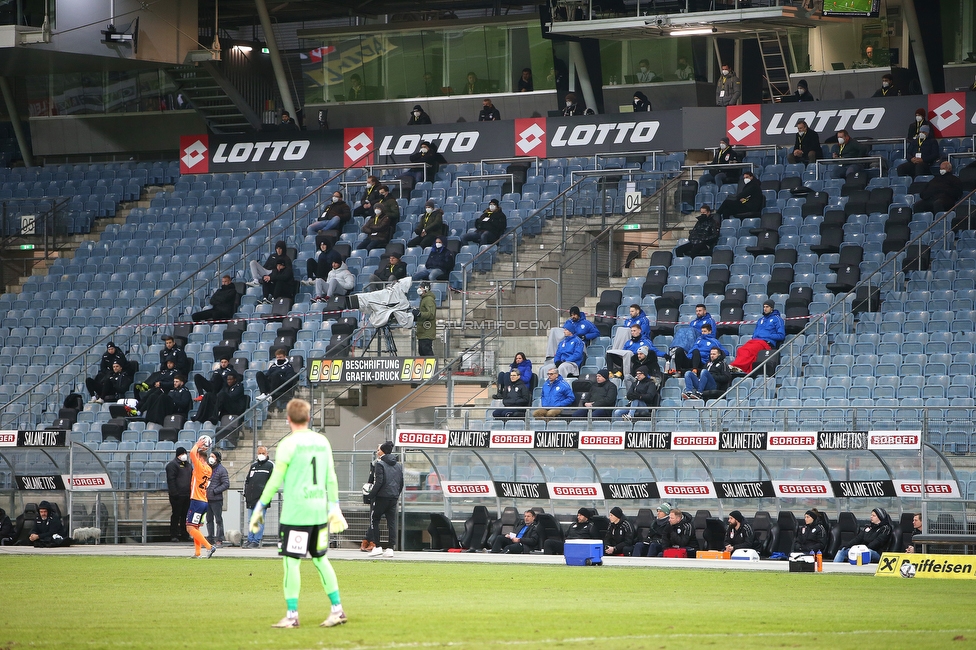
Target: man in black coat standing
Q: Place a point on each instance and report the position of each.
(748, 201)
(223, 303)
(257, 478)
(387, 486)
(179, 472)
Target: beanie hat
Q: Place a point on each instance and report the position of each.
(387, 447)
(643, 369)
(574, 310)
(418, 108)
(180, 451)
(812, 514)
(920, 111)
(617, 512)
(493, 202)
(769, 303)
(644, 350)
(665, 508)
(216, 453)
(925, 128)
(584, 511)
(430, 203)
(735, 514)
(604, 373)
(110, 344)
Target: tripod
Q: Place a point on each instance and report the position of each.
(379, 335)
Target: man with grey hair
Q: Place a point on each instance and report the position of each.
(257, 477)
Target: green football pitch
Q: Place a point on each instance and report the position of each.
(139, 602)
(849, 5)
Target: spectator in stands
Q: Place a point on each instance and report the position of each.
(160, 381)
(680, 533)
(178, 475)
(802, 93)
(569, 354)
(319, 268)
(868, 60)
(426, 321)
(748, 201)
(700, 350)
(806, 146)
(922, 152)
(520, 364)
(472, 86)
(489, 227)
(619, 539)
(724, 155)
(288, 124)
(729, 88)
(218, 378)
(378, 229)
(916, 126)
(175, 352)
(715, 376)
(257, 477)
(644, 358)
(162, 401)
(6, 528)
(48, 529)
(812, 535)
(370, 196)
(582, 528)
(431, 89)
(644, 74)
(703, 236)
(488, 112)
(219, 483)
(523, 540)
(940, 193)
(339, 282)
(515, 396)
(637, 317)
(280, 371)
(418, 116)
(431, 160)
(388, 273)
(230, 401)
(739, 534)
(916, 530)
(642, 393)
(525, 83)
(111, 355)
(770, 331)
(557, 394)
(847, 147)
(572, 106)
(337, 214)
(603, 397)
(261, 273)
(112, 387)
(390, 206)
(223, 303)
(430, 226)
(888, 87)
(875, 535)
(280, 283)
(684, 72)
(701, 318)
(356, 92)
(439, 264)
(619, 360)
(580, 326)
(655, 534)
(641, 103)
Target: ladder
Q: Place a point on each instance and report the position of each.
(774, 65)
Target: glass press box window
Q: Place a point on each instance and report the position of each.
(646, 60)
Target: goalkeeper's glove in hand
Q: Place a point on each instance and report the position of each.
(257, 518)
(337, 523)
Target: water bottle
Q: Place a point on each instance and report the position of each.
(819, 562)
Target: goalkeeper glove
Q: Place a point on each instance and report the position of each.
(257, 518)
(337, 523)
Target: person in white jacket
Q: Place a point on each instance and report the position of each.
(339, 283)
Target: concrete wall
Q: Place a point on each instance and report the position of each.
(115, 133)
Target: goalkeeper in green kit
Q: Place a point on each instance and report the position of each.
(310, 510)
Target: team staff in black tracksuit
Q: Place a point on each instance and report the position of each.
(680, 533)
(223, 303)
(179, 473)
(812, 535)
(619, 539)
(739, 534)
(230, 401)
(48, 529)
(582, 529)
(6, 527)
(257, 478)
(524, 539)
(603, 393)
(173, 351)
(515, 396)
(387, 486)
(111, 355)
(656, 531)
(113, 386)
(218, 379)
(912, 547)
(875, 535)
(159, 403)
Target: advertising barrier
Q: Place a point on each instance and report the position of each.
(918, 565)
(33, 438)
(77, 483)
(372, 370)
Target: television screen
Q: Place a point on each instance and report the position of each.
(853, 8)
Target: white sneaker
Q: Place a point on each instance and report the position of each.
(335, 618)
(376, 552)
(253, 283)
(264, 396)
(308, 282)
(388, 553)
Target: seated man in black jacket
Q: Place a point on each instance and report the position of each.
(158, 382)
(922, 152)
(515, 394)
(280, 283)
(158, 403)
(748, 201)
(524, 539)
(279, 372)
(680, 533)
(940, 193)
(489, 227)
(111, 355)
(429, 159)
(812, 535)
(739, 534)
(230, 401)
(875, 535)
(619, 539)
(318, 268)
(602, 394)
(113, 387)
(223, 303)
(218, 378)
(655, 533)
(387, 273)
(582, 529)
(48, 529)
(806, 146)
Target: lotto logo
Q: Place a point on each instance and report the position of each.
(358, 143)
(947, 112)
(743, 124)
(530, 137)
(193, 154)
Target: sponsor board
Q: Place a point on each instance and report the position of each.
(472, 439)
(647, 440)
(947, 114)
(601, 440)
(894, 439)
(744, 124)
(363, 370)
(697, 490)
(802, 489)
(8, 438)
(356, 144)
(933, 489)
(946, 567)
(556, 439)
(864, 119)
(39, 482)
(78, 482)
(421, 438)
(530, 137)
(630, 491)
(742, 440)
(33, 438)
(511, 440)
(863, 489)
(694, 441)
(511, 490)
(745, 490)
(586, 135)
(467, 489)
(194, 154)
(791, 441)
(583, 491)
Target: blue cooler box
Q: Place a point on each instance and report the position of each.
(583, 552)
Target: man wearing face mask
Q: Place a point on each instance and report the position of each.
(806, 145)
(439, 263)
(426, 321)
(257, 478)
(641, 103)
(748, 201)
(489, 226)
(336, 215)
(847, 147)
(430, 226)
(385, 493)
(724, 155)
(888, 87)
(488, 112)
(431, 160)
(702, 238)
(802, 93)
(377, 230)
(728, 89)
(644, 74)
(916, 126)
(418, 116)
(219, 483)
(178, 475)
(941, 193)
(370, 196)
(922, 153)
(390, 206)
(572, 106)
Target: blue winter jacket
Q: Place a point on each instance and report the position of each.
(771, 329)
(582, 328)
(442, 259)
(698, 322)
(632, 346)
(640, 319)
(704, 344)
(525, 370)
(557, 393)
(570, 349)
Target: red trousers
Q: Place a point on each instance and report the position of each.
(745, 356)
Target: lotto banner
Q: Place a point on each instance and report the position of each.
(946, 567)
(362, 370)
